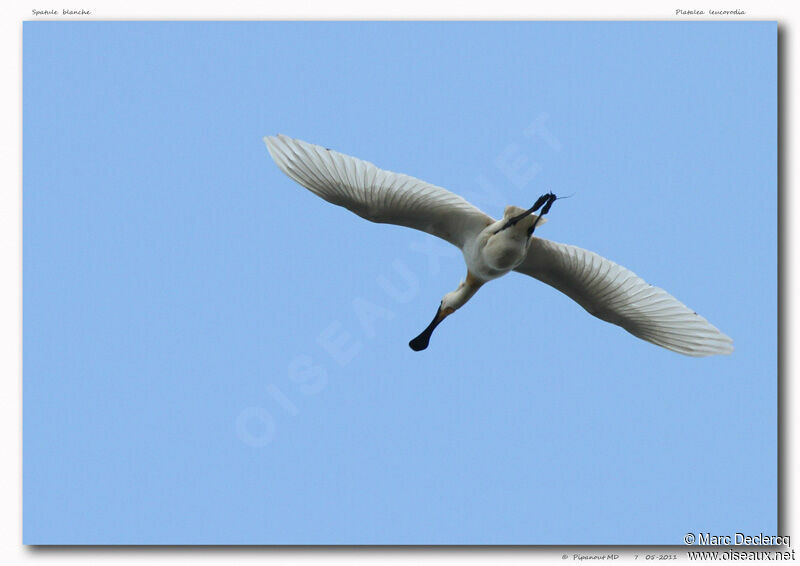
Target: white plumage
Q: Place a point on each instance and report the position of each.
(492, 248)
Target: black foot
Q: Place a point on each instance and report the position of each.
(546, 200)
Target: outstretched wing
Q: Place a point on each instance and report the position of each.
(617, 295)
(375, 194)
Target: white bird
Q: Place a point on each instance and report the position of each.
(492, 248)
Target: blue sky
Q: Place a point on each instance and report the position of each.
(212, 354)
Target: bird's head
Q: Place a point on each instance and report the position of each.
(450, 302)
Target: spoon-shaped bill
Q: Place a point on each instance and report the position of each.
(421, 341)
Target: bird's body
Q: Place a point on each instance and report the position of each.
(495, 252)
(493, 248)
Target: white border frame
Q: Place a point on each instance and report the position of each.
(13, 552)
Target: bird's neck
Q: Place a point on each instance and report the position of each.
(465, 290)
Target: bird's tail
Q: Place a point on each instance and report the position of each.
(512, 211)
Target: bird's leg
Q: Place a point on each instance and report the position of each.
(421, 341)
(546, 200)
(551, 198)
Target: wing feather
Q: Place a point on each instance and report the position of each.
(376, 194)
(617, 295)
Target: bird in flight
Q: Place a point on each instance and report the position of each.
(492, 248)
